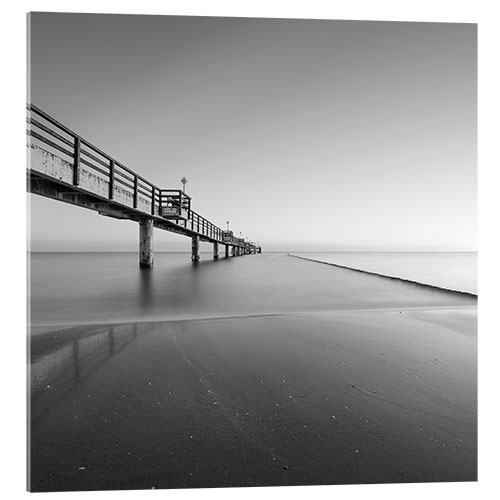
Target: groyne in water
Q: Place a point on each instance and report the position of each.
(396, 278)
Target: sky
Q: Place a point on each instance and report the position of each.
(304, 134)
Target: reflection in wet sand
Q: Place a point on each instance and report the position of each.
(60, 360)
(315, 398)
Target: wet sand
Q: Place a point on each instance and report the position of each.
(376, 395)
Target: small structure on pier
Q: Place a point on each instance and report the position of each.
(227, 237)
(174, 204)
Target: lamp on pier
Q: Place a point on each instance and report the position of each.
(184, 182)
(227, 225)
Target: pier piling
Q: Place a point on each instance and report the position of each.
(146, 243)
(195, 248)
(216, 250)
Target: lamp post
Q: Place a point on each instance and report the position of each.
(184, 182)
(227, 225)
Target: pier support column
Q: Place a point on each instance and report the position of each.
(195, 248)
(145, 244)
(226, 252)
(216, 250)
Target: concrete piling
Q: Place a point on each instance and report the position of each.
(146, 244)
(216, 250)
(195, 248)
(226, 251)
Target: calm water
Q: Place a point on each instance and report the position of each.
(68, 288)
(452, 270)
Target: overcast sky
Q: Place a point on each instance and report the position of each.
(305, 134)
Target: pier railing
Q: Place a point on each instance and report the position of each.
(88, 168)
(103, 174)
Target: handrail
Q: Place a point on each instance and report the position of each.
(43, 114)
(116, 172)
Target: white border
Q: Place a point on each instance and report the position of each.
(14, 215)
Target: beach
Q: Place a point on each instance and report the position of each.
(278, 372)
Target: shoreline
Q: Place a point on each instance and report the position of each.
(167, 319)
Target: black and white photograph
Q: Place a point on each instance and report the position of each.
(252, 252)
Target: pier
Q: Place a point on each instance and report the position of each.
(66, 167)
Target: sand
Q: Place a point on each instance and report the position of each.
(330, 397)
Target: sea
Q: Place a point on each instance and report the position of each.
(84, 288)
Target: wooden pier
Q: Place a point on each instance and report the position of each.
(66, 167)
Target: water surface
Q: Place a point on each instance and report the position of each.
(71, 288)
